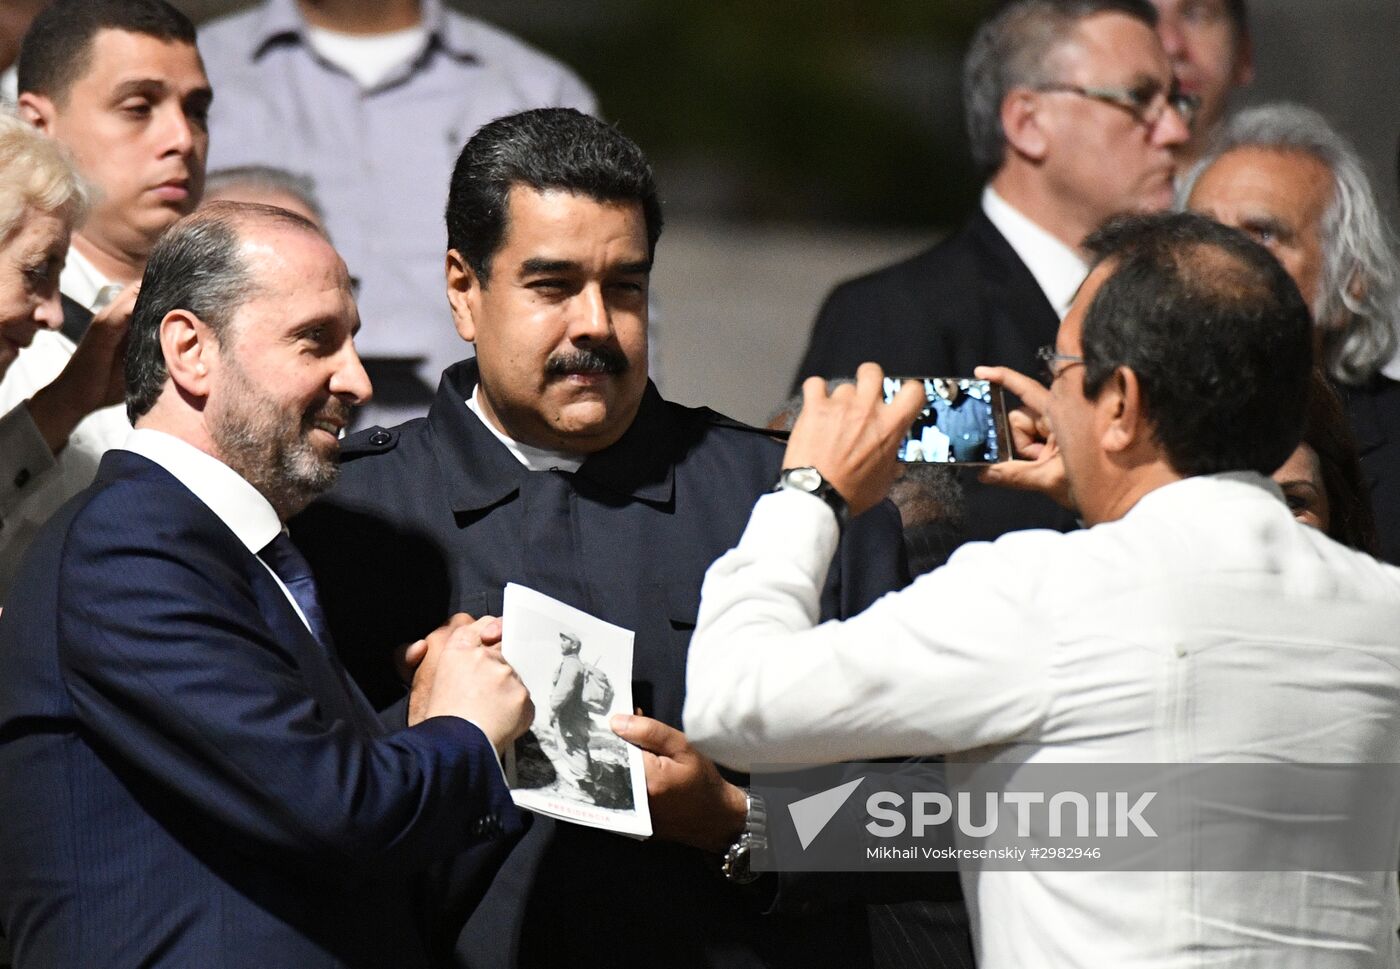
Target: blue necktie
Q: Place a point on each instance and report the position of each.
(284, 558)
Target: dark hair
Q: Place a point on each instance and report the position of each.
(1012, 49)
(1326, 430)
(1239, 17)
(1215, 331)
(548, 148)
(57, 48)
(196, 266)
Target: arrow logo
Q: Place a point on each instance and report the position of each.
(811, 814)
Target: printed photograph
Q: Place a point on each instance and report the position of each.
(578, 669)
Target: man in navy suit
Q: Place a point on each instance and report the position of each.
(1073, 116)
(187, 775)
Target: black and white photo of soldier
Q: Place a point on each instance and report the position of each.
(570, 751)
(569, 715)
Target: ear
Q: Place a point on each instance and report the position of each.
(1119, 412)
(38, 110)
(191, 353)
(463, 295)
(1021, 124)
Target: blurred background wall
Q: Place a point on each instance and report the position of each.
(800, 143)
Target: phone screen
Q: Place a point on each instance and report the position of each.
(963, 422)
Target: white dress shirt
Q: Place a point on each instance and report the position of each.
(84, 284)
(227, 493)
(534, 458)
(1057, 268)
(1205, 626)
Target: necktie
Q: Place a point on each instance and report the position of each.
(284, 558)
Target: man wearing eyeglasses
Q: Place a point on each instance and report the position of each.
(1074, 116)
(1192, 621)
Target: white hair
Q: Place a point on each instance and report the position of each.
(1358, 296)
(36, 173)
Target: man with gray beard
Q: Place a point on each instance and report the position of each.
(187, 775)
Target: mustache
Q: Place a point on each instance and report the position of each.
(586, 360)
(334, 409)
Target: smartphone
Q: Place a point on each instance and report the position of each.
(963, 422)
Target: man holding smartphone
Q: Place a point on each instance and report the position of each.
(1172, 627)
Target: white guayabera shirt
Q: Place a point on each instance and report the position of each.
(1205, 626)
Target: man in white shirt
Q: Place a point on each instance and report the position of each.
(120, 84)
(1193, 620)
(1073, 116)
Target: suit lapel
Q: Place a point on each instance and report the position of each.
(321, 670)
(1019, 317)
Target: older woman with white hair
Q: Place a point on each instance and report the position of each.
(41, 199)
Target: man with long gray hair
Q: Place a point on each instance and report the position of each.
(1283, 174)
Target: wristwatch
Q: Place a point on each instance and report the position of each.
(737, 865)
(810, 480)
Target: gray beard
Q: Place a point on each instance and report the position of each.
(285, 468)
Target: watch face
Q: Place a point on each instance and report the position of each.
(804, 479)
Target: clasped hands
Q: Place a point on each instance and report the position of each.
(458, 670)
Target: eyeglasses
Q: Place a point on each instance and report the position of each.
(1049, 359)
(1146, 102)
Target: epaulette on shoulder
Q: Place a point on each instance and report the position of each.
(371, 440)
(716, 419)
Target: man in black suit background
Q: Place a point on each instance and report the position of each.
(1074, 116)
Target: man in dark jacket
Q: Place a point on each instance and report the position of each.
(550, 460)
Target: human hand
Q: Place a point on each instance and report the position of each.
(465, 675)
(690, 802)
(94, 377)
(852, 436)
(1037, 464)
(409, 663)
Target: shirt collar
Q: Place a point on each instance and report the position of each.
(280, 19)
(1392, 368)
(1184, 498)
(227, 494)
(481, 471)
(83, 284)
(534, 458)
(1057, 268)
